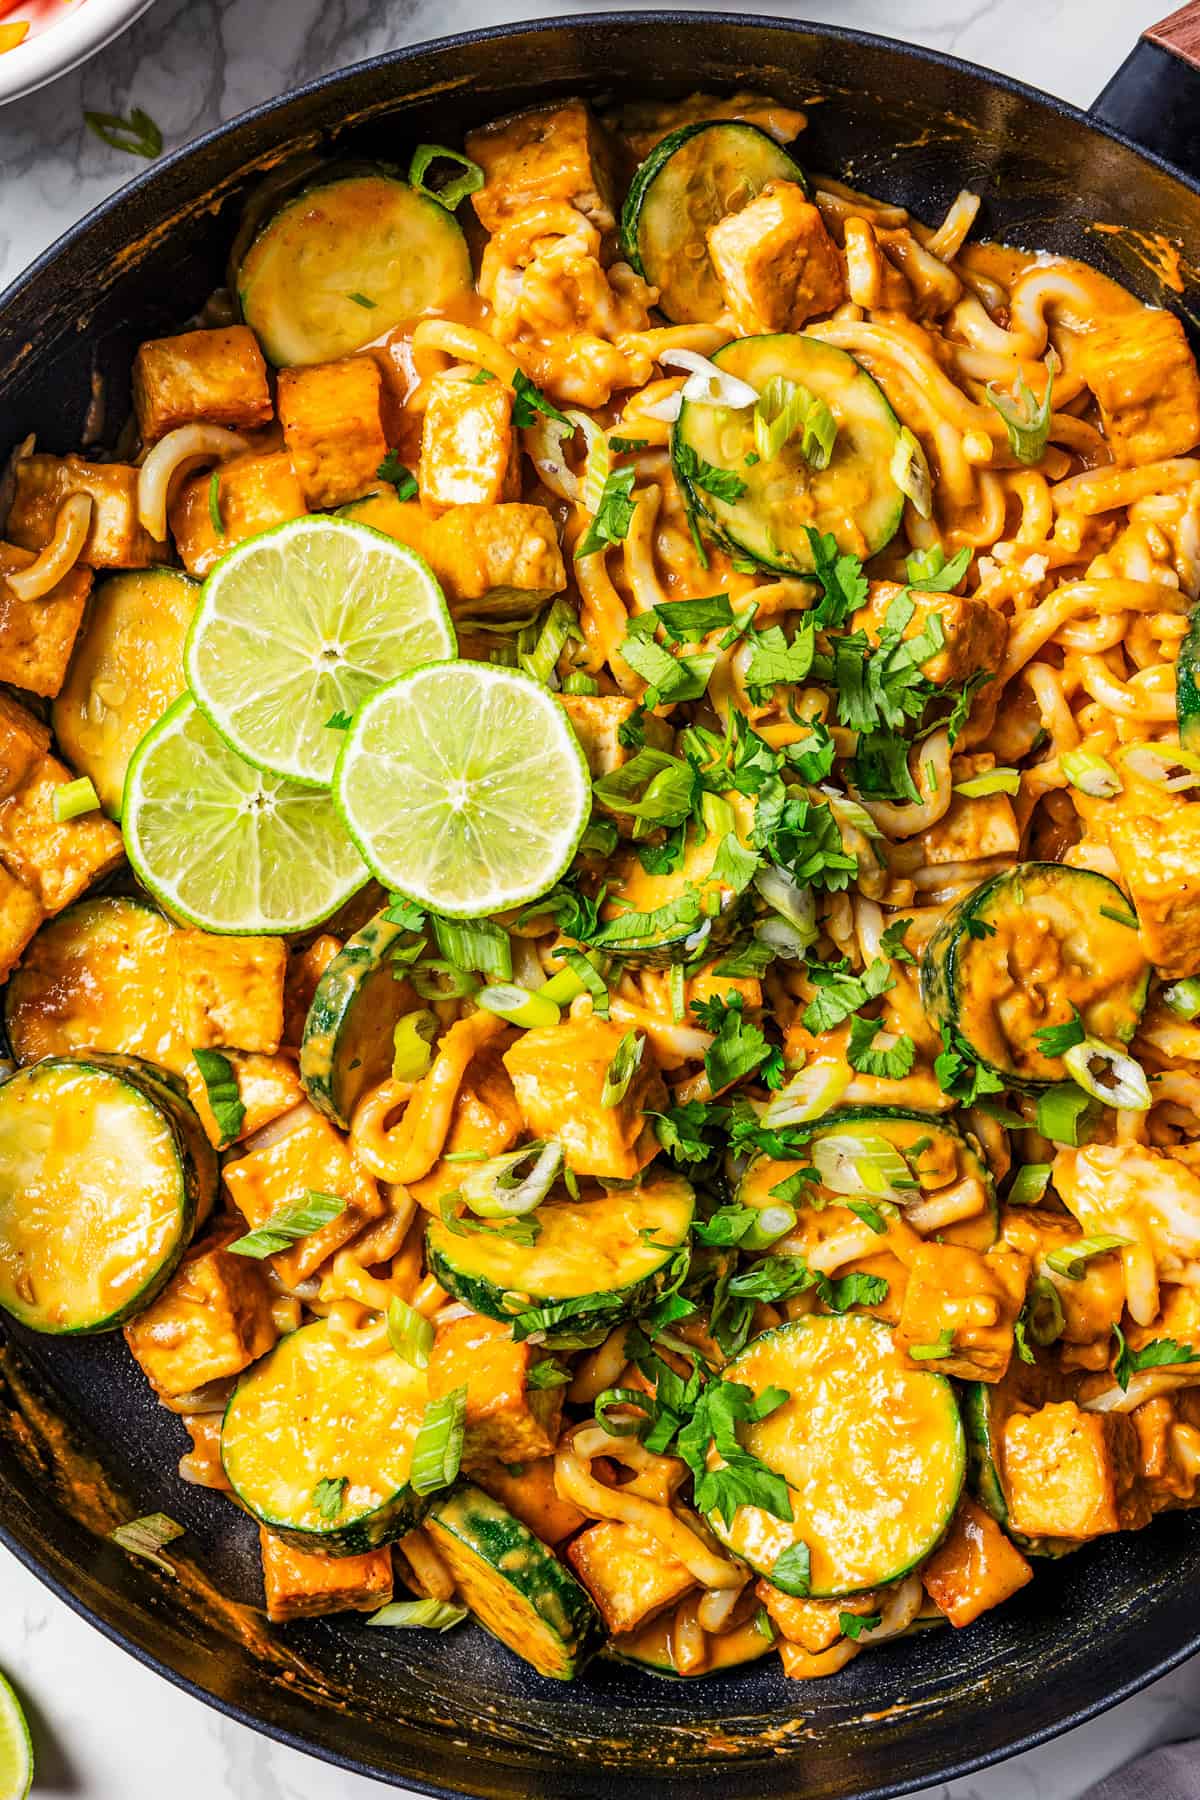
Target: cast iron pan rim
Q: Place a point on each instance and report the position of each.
(145, 182)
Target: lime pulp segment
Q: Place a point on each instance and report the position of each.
(16, 1749)
(224, 845)
(296, 626)
(464, 787)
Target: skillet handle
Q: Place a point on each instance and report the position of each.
(1154, 97)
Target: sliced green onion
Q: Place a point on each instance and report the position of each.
(214, 504)
(1167, 766)
(586, 978)
(1062, 1113)
(809, 1095)
(621, 1425)
(773, 1222)
(436, 980)
(993, 781)
(678, 993)
(1109, 1074)
(622, 1069)
(1183, 997)
(74, 798)
(409, 1333)
(1071, 1259)
(785, 408)
(579, 683)
(1026, 419)
(412, 1042)
(298, 1219)
(1044, 1317)
(911, 473)
(496, 1190)
(563, 987)
(437, 1452)
(430, 1615)
(453, 192)
(792, 902)
(851, 1164)
(1091, 773)
(146, 1536)
(943, 1345)
(561, 622)
(519, 1006)
(597, 468)
(782, 939)
(599, 839)
(1029, 1184)
(474, 944)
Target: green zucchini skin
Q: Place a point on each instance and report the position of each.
(347, 1043)
(1187, 685)
(514, 1583)
(674, 198)
(46, 1093)
(310, 1411)
(985, 1407)
(684, 943)
(947, 984)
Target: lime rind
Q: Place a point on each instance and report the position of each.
(464, 787)
(298, 625)
(225, 846)
(16, 1747)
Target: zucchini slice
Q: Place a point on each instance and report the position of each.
(347, 1043)
(99, 1192)
(855, 499)
(643, 893)
(939, 1155)
(125, 671)
(613, 1247)
(514, 1584)
(872, 1450)
(689, 181)
(345, 262)
(1020, 952)
(313, 1413)
(986, 1407)
(1187, 685)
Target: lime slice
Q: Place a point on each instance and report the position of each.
(224, 845)
(16, 1749)
(297, 626)
(464, 787)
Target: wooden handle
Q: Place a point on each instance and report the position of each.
(1180, 33)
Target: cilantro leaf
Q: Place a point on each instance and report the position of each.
(614, 515)
(741, 1479)
(1052, 1040)
(843, 584)
(888, 1065)
(814, 756)
(224, 1096)
(781, 1277)
(727, 1226)
(959, 1075)
(739, 1047)
(393, 470)
(892, 941)
(329, 1495)
(852, 1625)
(529, 400)
(680, 1130)
(1159, 1353)
(687, 621)
(670, 678)
(791, 1572)
(839, 994)
(722, 484)
(774, 660)
(930, 573)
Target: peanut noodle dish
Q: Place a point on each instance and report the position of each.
(600, 895)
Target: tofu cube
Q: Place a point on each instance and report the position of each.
(1141, 369)
(200, 377)
(115, 539)
(1065, 1470)
(552, 153)
(300, 1586)
(528, 1491)
(558, 1073)
(330, 413)
(974, 1298)
(212, 1320)
(983, 826)
(305, 968)
(21, 913)
(230, 990)
(37, 636)
(628, 1574)
(254, 491)
(506, 1421)
(268, 1086)
(815, 1625)
(24, 740)
(469, 451)
(775, 261)
(314, 1158)
(1092, 1305)
(975, 1567)
(56, 861)
(1159, 862)
(975, 633)
(505, 556)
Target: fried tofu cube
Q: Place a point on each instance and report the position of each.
(1141, 369)
(56, 860)
(503, 556)
(552, 153)
(230, 990)
(975, 633)
(628, 1574)
(37, 636)
(506, 1421)
(21, 913)
(268, 1086)
(24, 740)
(967, 1301)
(330, 413)
(775, 261)
(559, 1072)
(301, 1586)
(314, 1158)
(304, 970)
(973, 827)
(469, 451)
(975, 1567)
(1159, 862)
(213, 1319)
(115, 539)
(815, 1625)
(254, 491)
(528, 1491)
(1065, 1470)
(1093, 1304)
(200, 377)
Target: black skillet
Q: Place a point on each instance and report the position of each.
(460, 1715)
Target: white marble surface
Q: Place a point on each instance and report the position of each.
(106, 1728)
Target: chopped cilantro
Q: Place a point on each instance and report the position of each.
(888, 1065)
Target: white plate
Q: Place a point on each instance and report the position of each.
(56, 45)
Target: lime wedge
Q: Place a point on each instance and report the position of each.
(464, 787)
(16, 1749)
(297, 626)
(224, 845)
